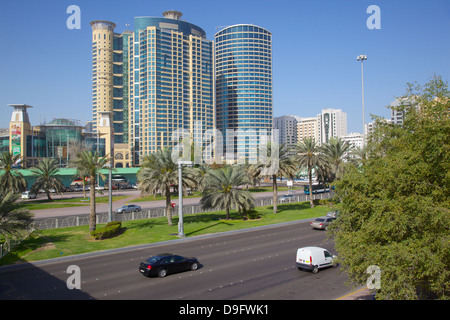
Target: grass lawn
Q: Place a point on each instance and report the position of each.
(53, 243)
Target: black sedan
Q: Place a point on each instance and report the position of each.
(165, 263)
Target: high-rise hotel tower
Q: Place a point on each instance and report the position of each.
(243, 57)
(154, 80)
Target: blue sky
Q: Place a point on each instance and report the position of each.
(315, 45)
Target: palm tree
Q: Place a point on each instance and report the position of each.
(309, 156)
(46, 171)
(222, 191)
(11, 180)
(158, 173)
(277, 165)
(252, 172)
(92, 163)
(199, 174)
(359, 156)
(336, 153)
(13, 221)
(84, 175)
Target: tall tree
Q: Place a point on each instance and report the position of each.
(253, 172)
(335, 154)
(46, 172)
(81, 172)
(11, 179)
(358, 156)
(92, 163)
(223, 190)
(309, 156)
(159, 173)
(199, 175)
(395, 208)
(14, 221)
(276, 162)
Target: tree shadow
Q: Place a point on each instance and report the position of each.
(292, 206)
(208, 227)
(150, 223)
(30, 245)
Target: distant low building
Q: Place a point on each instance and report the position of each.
(59, 139)
(354, 139)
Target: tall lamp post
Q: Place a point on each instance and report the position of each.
(109, 192)
(181, 163)
(361, 58)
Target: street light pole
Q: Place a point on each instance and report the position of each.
(361, 58)
(110, 193)
(180, 195)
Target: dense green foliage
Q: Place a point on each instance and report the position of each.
(11, 179)
(109, 230)
(395, 207)
(14, 221)
(223, 190)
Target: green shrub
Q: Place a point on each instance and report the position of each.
(253, 214)
(108, 231)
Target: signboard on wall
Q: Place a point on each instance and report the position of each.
(16, 134)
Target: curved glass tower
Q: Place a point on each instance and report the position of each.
(243, 58)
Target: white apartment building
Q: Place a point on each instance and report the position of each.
(354, 139)
(331, 123)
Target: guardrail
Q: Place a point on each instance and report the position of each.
(102, 217)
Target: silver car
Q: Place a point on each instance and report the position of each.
(287, 198)
(321, 223)
(129, 208)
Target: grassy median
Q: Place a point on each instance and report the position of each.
(53, 243)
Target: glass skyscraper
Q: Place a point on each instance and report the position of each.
(159, 79)
(243, 64)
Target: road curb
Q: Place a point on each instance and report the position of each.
(361, 294)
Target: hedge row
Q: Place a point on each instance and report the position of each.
(108, 231)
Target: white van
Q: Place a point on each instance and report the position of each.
(28, 195)
(314, 258)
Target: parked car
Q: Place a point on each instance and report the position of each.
(129, 208)
(28, 195)
(163, 264)
(333, 214)
(286, 197)
(314, 258)
(74, 189)
(321, 223)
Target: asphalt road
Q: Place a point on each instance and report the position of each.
(256, 264)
